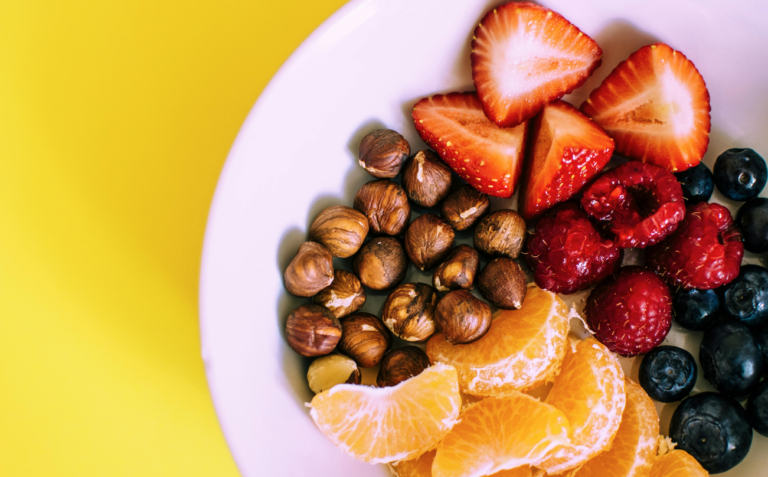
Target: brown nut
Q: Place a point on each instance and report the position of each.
(409, 311)
(464, 206)
(312, 330)
(344, 296)
(364, 338)
(428, 240)
(382, 153)
(341, 229)
(501, 233)
(502, 282)
(381, 264)
(310, 271)
(426, 178)
(386, 206)
(458, 270)
(462, 317)
(327, 371)
(401, 364)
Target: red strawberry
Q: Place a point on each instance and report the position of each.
(656, 106)
(526, 55)
(567, 151)
(485, 155)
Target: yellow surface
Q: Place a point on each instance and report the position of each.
(115, 120)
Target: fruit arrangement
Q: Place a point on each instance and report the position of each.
(480, 372)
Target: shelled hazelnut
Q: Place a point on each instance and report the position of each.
(502, 282)
(401, 364)
(464, 206)
(312, 330)
(344, 296)
(364, 338)
(501, 233)
(458, 270)
(327, 371)
(310, 271)
(409, 311)
(462, 317)
(386, 206)
(381, 264)
(382, 153)
(340, 229)
(428, 240)
(426, 178)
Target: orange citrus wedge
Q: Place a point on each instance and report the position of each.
(422, 467)
(677, 463)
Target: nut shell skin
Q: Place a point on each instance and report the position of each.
(426, 178)
(310, 271)
(386, 206)
(330, 370)
(340, 229)
(344, 296)
(503, 283)
(458, 270)
(501, 233)
(428, 241)
(409, 311)
(401, 364)
(462, 317)
(312, 330)
(365, 339)
(381, 264)
(382, 153)
(464, 206)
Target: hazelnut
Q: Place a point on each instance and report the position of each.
(426, 178)
(312, 330)
(501, 233)
(344, 296)
(382, 153)
(428, 240)
(386, 206)
(462, 317)
(458, 270)
(381, 264)
(401, 364)
(328, 371)
(310, 271)
(410, 310)
(364, 338)
(464, 206)
(341, 229)
(502, 282)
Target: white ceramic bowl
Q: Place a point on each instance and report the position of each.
(296, 154)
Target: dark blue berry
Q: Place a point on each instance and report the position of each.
(752, 219)
(697, 183)
(668, 373)
(761, 337)
(740, 174)
(757, 409)
(696, 309)
(745, 298)
(730, 358)
(713, 428)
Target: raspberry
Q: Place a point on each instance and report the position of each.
(567, 254)
(643, 202)
(632, 314)
(705, 252)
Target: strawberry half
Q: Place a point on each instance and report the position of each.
(656, 106)
(526, 55)
(488, 157)
(567, 151)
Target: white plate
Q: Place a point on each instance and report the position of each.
(296, 154)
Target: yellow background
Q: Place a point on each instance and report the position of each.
(115, 120)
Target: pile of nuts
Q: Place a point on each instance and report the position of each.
(334, 330)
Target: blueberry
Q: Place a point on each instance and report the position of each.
(714, 429)
(746, 297)
(730, 358)
(752, 219)
(761, 337)
(697, 183)
(668, 373)
(740, 174)
(757, 409)
(696, 309)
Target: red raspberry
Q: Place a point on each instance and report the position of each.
(705, 252)
(643, 202)
(632, 314)
(567, 254)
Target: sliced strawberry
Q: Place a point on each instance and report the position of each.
(526, 55)
(656, 106)
(567, 151)
(485, 155)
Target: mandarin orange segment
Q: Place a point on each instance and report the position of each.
(521, 350)
(422, 467)
(677, 463)
(381, 425)
(590, 392)
(499, 433)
